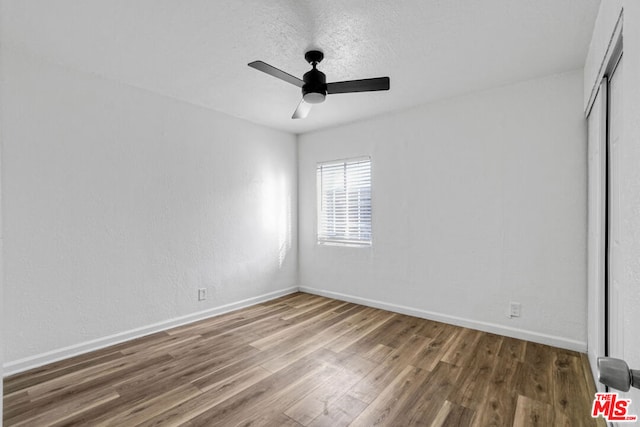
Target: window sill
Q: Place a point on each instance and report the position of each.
(345, 244)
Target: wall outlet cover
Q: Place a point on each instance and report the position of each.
(515, 309)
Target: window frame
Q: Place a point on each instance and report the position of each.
(319, 207)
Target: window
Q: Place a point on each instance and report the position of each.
(344, 202)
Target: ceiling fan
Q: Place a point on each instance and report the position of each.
(314, 83)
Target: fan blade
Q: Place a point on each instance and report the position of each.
(364, 85)
(302, 111)
(273, 71)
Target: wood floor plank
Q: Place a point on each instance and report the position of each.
(473, 389)
(410, 326)
(239, 326)
(535, 373)
(16, 399)
(284, 399)
(385, 409)
(512, 348)
(152, 407)
(330, 325)
(238, 363)
(305, 410)
(280, 420)
(432, 353)
(171, 342)
(571, 397)
(498, 408)
(351, 369)
(453, 415)
(298, 330)
(378, 353)
(339, 413)
(98, 413)
(236, 366)
(487, 350)
(459, 416)
(308, 360)
(233, 319)
(379, 378)
(185, 373)
(309, 342)
(325, 306)
(59, 393)
(370, 321)
(24, 381)
(345, 307)
(50, 414)
(461, 350)
(432, 329)
(77, 383)
(246, 332)
(214, 395)
(301, 300)
(269, 396)
(205, 345)
(34, 376)
(383, 334)
(532, 413)
(423, 406)
(442, 414)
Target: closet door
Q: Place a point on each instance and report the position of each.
(615, 267)
(597, 201)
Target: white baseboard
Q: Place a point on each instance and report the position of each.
(31, 362)
(522, 334)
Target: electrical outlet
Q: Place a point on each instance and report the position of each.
(515, 308)
(202, 294)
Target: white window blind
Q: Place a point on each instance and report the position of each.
(344, 202)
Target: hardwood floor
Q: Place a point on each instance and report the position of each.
(312, 361)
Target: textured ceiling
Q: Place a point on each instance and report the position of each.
(198, 50)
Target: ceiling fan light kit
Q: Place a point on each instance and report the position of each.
(314, 83)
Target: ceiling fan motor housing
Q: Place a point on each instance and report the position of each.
(314, 89)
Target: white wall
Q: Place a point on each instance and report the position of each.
(477, 201)
(629, 173)
(119, 204)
